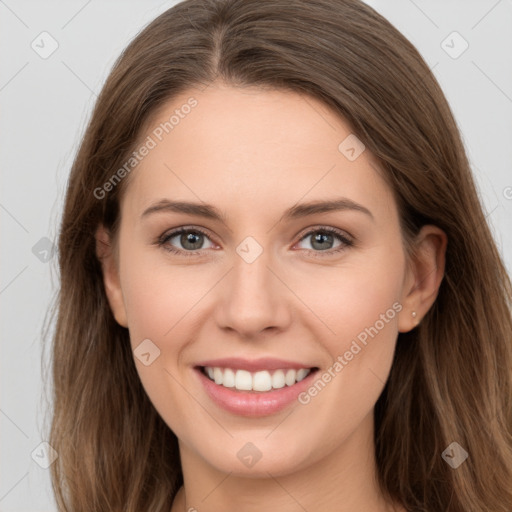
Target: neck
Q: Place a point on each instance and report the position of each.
(343, 480)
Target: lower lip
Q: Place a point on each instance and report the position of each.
(254, 403)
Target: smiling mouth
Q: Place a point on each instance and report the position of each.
(257, 382)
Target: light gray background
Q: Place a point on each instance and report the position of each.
(44, 107)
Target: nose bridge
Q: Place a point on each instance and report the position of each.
(253, 297)
(251, 279)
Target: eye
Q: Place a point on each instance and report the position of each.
(191, 239)
(324, 238)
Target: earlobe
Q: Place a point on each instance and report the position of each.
(111, 281)
(424, 276)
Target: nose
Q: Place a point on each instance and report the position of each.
(253, 297)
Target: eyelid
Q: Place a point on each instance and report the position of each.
(329, 229)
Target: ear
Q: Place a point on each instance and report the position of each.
(111, 280)
(423, 277)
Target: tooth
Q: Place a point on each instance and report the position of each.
(229, 378)
(278, 379)
(262, 381)
(290, 377)
(259, 381)
(301, 374)
(217, 375)
(243, 380)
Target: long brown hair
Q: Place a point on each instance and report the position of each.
(451, 380)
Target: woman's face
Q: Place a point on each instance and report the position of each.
(261, 288)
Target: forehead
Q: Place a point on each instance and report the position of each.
(252, 148)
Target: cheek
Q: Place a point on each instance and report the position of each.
(159, 296)
(353, 297)
(360, 306)
(160, 303)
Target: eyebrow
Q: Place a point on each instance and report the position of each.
(295, 212)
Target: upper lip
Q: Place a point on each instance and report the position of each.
(253, 365)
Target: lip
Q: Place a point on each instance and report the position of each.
(254, 365)
(253, 404)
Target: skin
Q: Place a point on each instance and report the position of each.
(253, 153)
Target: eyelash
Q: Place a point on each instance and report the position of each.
(345, 241)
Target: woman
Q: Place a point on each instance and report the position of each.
(248, 371)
